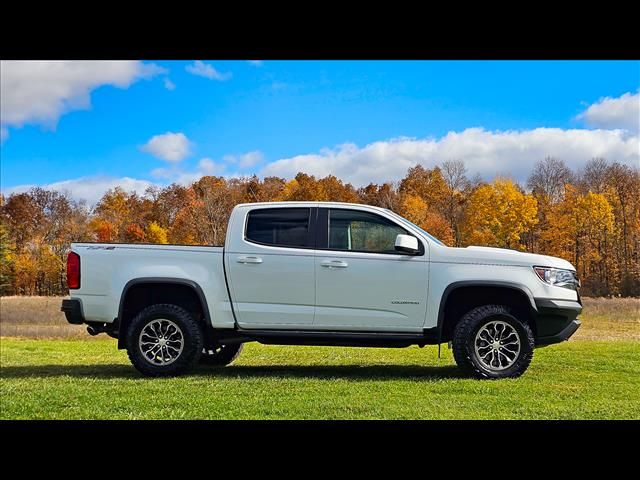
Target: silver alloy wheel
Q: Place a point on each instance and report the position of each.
(161, 342)
(497, 345)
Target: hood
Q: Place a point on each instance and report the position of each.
(501, 256)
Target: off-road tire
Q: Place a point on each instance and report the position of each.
(220, 355)
(192, 338)
(465, 334)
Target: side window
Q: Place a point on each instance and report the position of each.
(282, 227)
(362, 231)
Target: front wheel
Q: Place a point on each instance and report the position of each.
(164, 340)
(490, 342)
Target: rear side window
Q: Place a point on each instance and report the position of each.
(281, 227)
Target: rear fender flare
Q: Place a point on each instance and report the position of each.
(159, 280)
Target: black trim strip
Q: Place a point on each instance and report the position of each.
(313, 226)
(72, 309)
(322, 230)
(558, 305)
(565, 334)
(329, 337)
(226, 283)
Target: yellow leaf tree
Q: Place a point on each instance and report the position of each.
(429, 185)
(156, 234)
(113, 209)
(6, 261)
(580, 230)
(25, 268)
(498, 214)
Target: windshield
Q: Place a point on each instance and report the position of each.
(407, 222)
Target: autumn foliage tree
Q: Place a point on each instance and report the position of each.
(498, 214)
(458, 188)
(39, 226)
(156, 234)
(6, 261)
(385, 196)
(590, 217)
(415, 209)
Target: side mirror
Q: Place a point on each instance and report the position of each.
(407, 244)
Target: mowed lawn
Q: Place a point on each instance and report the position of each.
(585, 378)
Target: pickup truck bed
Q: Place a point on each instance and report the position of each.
(109, 271)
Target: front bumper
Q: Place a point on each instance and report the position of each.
(556, 320)
(72, 309)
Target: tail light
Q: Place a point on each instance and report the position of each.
(73, 270)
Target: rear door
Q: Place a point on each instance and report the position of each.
(362, 282)
(271, 268)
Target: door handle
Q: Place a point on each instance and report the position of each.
(334, 264)
(249, 259)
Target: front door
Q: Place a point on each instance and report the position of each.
(271, 270)
(362, 282)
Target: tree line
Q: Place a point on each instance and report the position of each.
(590, 217)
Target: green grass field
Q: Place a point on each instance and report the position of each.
(596, 375)
(78, 379)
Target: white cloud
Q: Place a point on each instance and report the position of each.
(168, 84)
(246, 160)
(162, 172)
(250, 159)
(621, 112)
(256, 63)
(90, 189)
(208, 167)
(485, 152)
(171, 147)
(207, 70)
(39, 92)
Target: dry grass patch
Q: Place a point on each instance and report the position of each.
(609, 319)
(36, 317)
(40, 317)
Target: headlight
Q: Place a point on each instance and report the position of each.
(558, 277)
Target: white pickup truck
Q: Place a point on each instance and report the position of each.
(320, 273)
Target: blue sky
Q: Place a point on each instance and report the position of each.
(362, 120)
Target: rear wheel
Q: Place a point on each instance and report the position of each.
(490, 342)
(220, 355)
(164, 340)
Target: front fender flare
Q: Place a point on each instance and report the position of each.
(479, 283)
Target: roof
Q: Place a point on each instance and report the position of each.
(311, 204)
